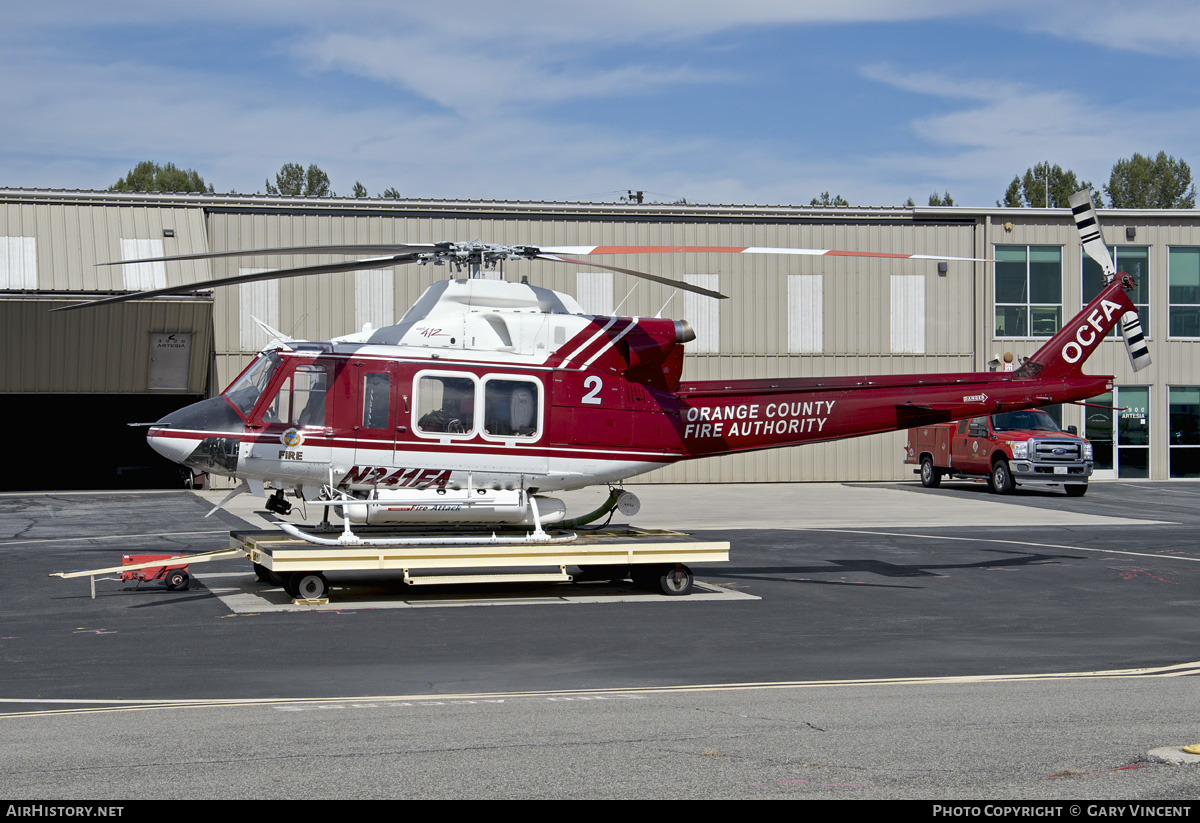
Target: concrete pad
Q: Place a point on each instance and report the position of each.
(242, 594)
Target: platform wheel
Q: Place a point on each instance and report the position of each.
(1001, 480)
(263, 575)
(676, 580)
(307, 585)
(931, 477)
(178, 579)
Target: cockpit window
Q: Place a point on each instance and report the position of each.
(245, 391)
(1029, 419)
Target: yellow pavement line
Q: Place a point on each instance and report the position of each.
(110, 706)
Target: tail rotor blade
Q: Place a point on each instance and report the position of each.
(1088, 224)
(1089, 231)
(1135, 341)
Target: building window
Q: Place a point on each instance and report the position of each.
(1183, 292)
(908, 313)
(1120, 436)
(1184, 422)
(1028, 291)
(1133, 260)
(257, 301)
(703, 313)
(594, 291)
(373, 298)
(806, 310)
(18, 263)
(143, 276)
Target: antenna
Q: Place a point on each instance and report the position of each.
(622, 303)
(664, 306)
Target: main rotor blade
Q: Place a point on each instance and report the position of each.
(590, 250)
(326, 268)
(677, 284)
(377, 248)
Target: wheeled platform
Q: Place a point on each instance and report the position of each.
(651, 558)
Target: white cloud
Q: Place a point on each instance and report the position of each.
(474, 82)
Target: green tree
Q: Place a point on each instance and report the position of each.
(941, 200)
(1031, 190)
(826, 200)
(391, 194)
(1142, 183)
(316, 183)
(150, 176)
(292, 179)
(359, 190)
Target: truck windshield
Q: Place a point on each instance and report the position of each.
(245, 391)
(1029, 420)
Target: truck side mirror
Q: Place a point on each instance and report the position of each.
(1072, 430)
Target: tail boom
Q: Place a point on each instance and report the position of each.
(733, 416)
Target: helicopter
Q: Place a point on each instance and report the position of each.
(489, 394)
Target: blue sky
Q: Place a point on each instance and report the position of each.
(716, 102)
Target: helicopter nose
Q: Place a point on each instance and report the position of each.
(194, 434)
(173, 444)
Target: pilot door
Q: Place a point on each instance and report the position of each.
(377, 385)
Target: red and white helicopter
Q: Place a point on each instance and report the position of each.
(488, 394)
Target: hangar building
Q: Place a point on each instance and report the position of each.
(73, 380)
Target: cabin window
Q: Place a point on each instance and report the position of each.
(300, 400)
(376, 400)
(511, 408)
(445, 404)
(309, 390)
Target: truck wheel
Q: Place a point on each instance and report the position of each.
(1000, 480)
(1076, 489)
(931, 478)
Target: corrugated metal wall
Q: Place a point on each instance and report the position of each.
(105, 350)
(759, 329)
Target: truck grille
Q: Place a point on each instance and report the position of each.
(1056, 451)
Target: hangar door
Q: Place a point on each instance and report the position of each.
(72, 383)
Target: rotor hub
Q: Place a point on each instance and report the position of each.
(475, 255)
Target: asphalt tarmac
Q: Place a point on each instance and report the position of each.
(885, 641)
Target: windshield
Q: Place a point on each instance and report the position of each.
(245, 391)
(1030, 419)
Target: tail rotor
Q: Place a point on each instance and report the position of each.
(1093, 243)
